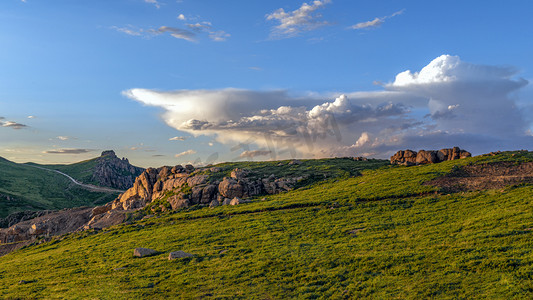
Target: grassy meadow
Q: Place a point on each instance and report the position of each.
(380, 235)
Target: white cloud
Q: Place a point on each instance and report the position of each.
(376, 22)
(178, 138)
(63, 138)
(188, 152)
(182, 17)
(363, 140)
(268, 119)
(154, 2)
(447, 103)
(31, 117)
(294, 22)
(13, 125)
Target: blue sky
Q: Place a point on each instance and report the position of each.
(260, 80)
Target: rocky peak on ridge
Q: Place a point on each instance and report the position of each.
(114, 172)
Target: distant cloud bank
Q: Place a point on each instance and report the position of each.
(449, 102)
(67, 151)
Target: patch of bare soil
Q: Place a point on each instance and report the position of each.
(485, 176)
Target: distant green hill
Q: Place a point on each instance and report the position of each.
(24, 187)
(106, 170)
(385, 234)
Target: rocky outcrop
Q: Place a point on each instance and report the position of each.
(185, 186)
(51, 224)
(18, 217)
(171, 187)
(111, 171)
(410, 158)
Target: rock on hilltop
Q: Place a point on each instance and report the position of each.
(410, 158)
(111, 171)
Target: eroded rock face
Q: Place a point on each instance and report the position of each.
(188, 186)
(111, 171)
(409, 157)
(51, 224)
(406, 157)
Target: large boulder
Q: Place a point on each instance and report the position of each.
(143, 252)
(404, 157)
(230, 188)
(426, 157)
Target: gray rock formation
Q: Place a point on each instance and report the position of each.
(409, 157)
(111, 171)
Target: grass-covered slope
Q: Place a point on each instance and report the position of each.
(81, 171)
(24, 187)
(381, 235)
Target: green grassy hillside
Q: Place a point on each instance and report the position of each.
(380, 235)
(81, 171)
(24, 187)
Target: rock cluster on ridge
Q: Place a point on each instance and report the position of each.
(410, 158)
(184, 186)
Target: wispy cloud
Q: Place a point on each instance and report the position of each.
(376, 22)
(191, 33)
(63, 138)
(13, 125)
(294, 22)
(177, 33)
(188, 152)
(31, 117)
(67, 151)
(254, 153)
(178, 138)
(154, 2)
(129, 30)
